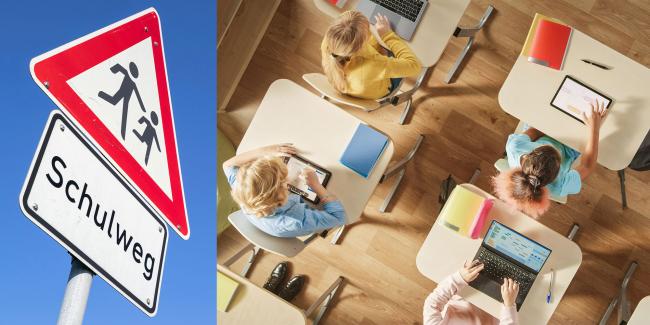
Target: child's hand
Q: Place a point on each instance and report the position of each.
(280, 150)
(310, 178)
(594, 117)
(470, 270)
(509, 291)
(382, 25)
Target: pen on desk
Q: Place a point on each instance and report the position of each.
(595, 64)
(550, 287)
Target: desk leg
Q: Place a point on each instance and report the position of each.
(337, 235)
(392, 191)
(324, 300)
(574, 231)
(470, 33)
(398, 168)
(407, 96)
(620, 299)
(621, 177)
(254, 251)
(405, 112)
(475, 176)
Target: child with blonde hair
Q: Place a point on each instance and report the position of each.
(258, 179)
(542, 166)
(357, 65)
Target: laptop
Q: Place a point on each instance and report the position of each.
(404, 15)
(506, 253)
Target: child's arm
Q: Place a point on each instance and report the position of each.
(533, 133)
(509, 291)
(447, 288)
(405, 63)
(284, 149)
(590, 153)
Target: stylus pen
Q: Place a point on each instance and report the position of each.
(550, 287)
(595, 64)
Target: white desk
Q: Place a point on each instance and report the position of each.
(253, 305)
(444, 252)
(321, 131)
(641, 315)
(432, 34)
(529, 88)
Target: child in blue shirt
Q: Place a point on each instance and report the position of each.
(542, 166)
(258, 179)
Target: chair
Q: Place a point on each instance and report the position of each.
(319, 82)
(640, 162)
(621, 300)
(287, 247)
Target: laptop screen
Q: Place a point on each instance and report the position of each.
(516, 246)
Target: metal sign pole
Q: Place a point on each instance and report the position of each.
(76, 294)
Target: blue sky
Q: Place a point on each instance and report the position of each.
(34, 267)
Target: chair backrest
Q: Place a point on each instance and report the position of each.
(641, 160)
(288, 247)
(502, 165)
(322, 85)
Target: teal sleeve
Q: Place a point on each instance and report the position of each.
(517, 145)
(571, 183)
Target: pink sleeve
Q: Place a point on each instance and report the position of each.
(508, 316)
(436, 301)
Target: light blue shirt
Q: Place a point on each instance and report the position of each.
(567, 181)
(295, 218)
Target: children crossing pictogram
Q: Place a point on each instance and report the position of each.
(124, 93)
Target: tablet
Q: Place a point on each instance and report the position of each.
(297, 184)
(573, 97)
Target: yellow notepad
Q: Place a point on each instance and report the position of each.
(226, 288)
(531, 32)
(460, 209)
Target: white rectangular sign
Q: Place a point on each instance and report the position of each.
(77, 198)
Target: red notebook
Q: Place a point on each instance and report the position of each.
(550, 44)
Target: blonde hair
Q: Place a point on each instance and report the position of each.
(342, 39)
(261, 186)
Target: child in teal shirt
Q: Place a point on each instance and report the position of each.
(540, 166)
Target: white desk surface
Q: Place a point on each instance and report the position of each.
(255, 305)
(321, 132)
(529, 89)
(444, 252)
(641, 314)
(432, 34)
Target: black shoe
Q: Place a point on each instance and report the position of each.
(292, 288)
(277, 277)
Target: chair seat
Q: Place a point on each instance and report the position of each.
(288, 247)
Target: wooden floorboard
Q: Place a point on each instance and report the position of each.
(465, 129)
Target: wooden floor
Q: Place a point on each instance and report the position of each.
(465, 129)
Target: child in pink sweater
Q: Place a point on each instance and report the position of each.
(443, 306)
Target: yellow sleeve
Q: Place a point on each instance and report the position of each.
(405, 63)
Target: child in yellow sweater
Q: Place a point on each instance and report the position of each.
(357, 65)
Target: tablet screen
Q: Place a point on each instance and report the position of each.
(574, 97)
(297, 183)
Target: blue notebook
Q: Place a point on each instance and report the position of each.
(364, 149)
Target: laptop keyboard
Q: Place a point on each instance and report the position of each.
(498, 268)
(406, 8)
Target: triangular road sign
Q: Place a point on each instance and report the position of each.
(113, 83)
